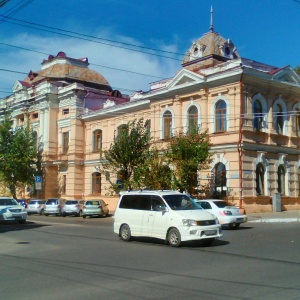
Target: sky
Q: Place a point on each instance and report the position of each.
(136, 42)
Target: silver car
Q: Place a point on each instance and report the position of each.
(95, 208)
(53, 206)
(36, 206)
(72, 207)
(11, 210)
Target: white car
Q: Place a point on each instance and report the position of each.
(228, 215)
(11, 210)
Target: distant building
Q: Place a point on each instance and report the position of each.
(251, 112)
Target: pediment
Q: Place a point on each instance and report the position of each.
(287, 75)
(20, 85)
(185, 77)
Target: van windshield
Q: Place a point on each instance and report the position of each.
(181, 202)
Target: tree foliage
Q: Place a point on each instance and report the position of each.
(188, 154)
(18, 155)
(127, 153)
(297, 70)
(155, 172)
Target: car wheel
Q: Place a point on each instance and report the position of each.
(42, 212)
(28, 214)
(63, 215)
(125, 233)
(174, 237)
(208, 242)
(22, 221)
(84, 217)
(46, 215)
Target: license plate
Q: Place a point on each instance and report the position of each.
(210, 232)
(239, 220)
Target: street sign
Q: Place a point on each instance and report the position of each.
(38, 185)
(38, 179)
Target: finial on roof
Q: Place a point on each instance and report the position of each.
(211, 28)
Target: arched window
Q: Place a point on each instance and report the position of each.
(220, 179)
(167, 125)
(122, 127)
(257, 115)
(97, 140)
(260, 171)
(220, 115)
(279, 119)
(96, 183)
(281, 179)
(192, 119)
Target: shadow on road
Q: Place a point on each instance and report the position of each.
(13, 226)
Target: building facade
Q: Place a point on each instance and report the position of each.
(250, 110)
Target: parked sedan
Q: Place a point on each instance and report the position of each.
(53, 206)
(228, 215)
(11, 210)
(72, 207)
(36, 206)
(95, 208)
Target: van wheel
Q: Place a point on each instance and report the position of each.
(174, 237)
(125, 233)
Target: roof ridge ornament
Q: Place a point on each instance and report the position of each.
(211, 28)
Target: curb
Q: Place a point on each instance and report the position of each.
(276, 220)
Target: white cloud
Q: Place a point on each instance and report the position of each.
(23, 61)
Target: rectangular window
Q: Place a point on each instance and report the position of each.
(65, 111)
(35, 115)
(96, 184)
(98, 140)
(65, 145)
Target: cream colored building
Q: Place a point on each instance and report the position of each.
(249, 109)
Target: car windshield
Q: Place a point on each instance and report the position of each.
(181, 202)
(8, 201)
(92, 202)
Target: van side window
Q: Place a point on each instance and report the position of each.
(140, 202)
(157, 203)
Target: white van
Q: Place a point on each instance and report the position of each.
(167, 215)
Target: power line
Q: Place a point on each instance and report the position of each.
(103, 66)
(90, 38)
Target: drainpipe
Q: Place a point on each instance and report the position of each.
(240, 145)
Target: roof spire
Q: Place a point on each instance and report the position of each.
(211, 28)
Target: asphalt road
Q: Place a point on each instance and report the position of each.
(76, 258)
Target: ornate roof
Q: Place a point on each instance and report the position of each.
(210, 45)
(68, 69)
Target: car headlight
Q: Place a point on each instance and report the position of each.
(217, 221)
(4, 210)
(188, 222)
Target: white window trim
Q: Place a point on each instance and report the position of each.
(264, 105)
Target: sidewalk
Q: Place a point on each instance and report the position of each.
(275, 217)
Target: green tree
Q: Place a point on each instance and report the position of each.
(297, 70)
(155, 173)
(188, 153)
(126, 154)
(18, 155)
